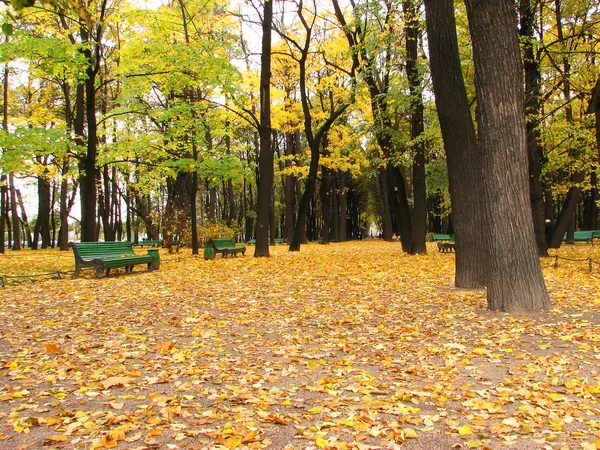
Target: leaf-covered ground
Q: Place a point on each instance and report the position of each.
(350, 345)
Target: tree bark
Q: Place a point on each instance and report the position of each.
(514, 276)
(533, 112)
(3, 178)
(16, 223)
(265, 161)
(42, 224)
(343, 204)
(325, 196)
(419, 212)
(88, 170)
(460, 143)
(290, 185)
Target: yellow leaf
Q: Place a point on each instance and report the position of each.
(361, 426)
(409, 433)
(465, 430)
(233, 442)
(321, 443)
(315, 410)
(178, 357)
(108, 441)
(116, 405)
(251, 436)
(58, 438)
(118, 434)
(52, 421)
(312, 365)
(153, 420)
(155, 433)
(554, 396)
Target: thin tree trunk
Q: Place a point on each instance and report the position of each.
(24, 221)
(325, 189)
(290, 191)
(3, 178)
(386, 216)
(16, 225)
(343, 218)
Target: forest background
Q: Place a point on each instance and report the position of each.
(166, 124)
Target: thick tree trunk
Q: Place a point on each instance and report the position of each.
(514, 276)
(533, 112)
(419, 213)
(265, 161)
(177, 211)
(88, 170)
(460, 143)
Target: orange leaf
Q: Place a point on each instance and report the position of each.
(115, 381)
(52, 348)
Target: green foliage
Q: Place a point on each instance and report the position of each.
(24, 143)
(7, 29)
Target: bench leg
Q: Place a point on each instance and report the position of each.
(99, 272)
(77, 270)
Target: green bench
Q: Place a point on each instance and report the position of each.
(148, 243)
(442, 237)
(584, 236)
(109, 255)
(226, 247)
(279, 240)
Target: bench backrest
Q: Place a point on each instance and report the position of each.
(93, 250)
(442, 237)
(223, 243)
(583, 235)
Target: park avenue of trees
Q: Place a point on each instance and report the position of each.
(478, 118)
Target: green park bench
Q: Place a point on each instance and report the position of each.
(279, 240)
(584, 236)
(226, 247)
(148, 243)
(109, 255)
